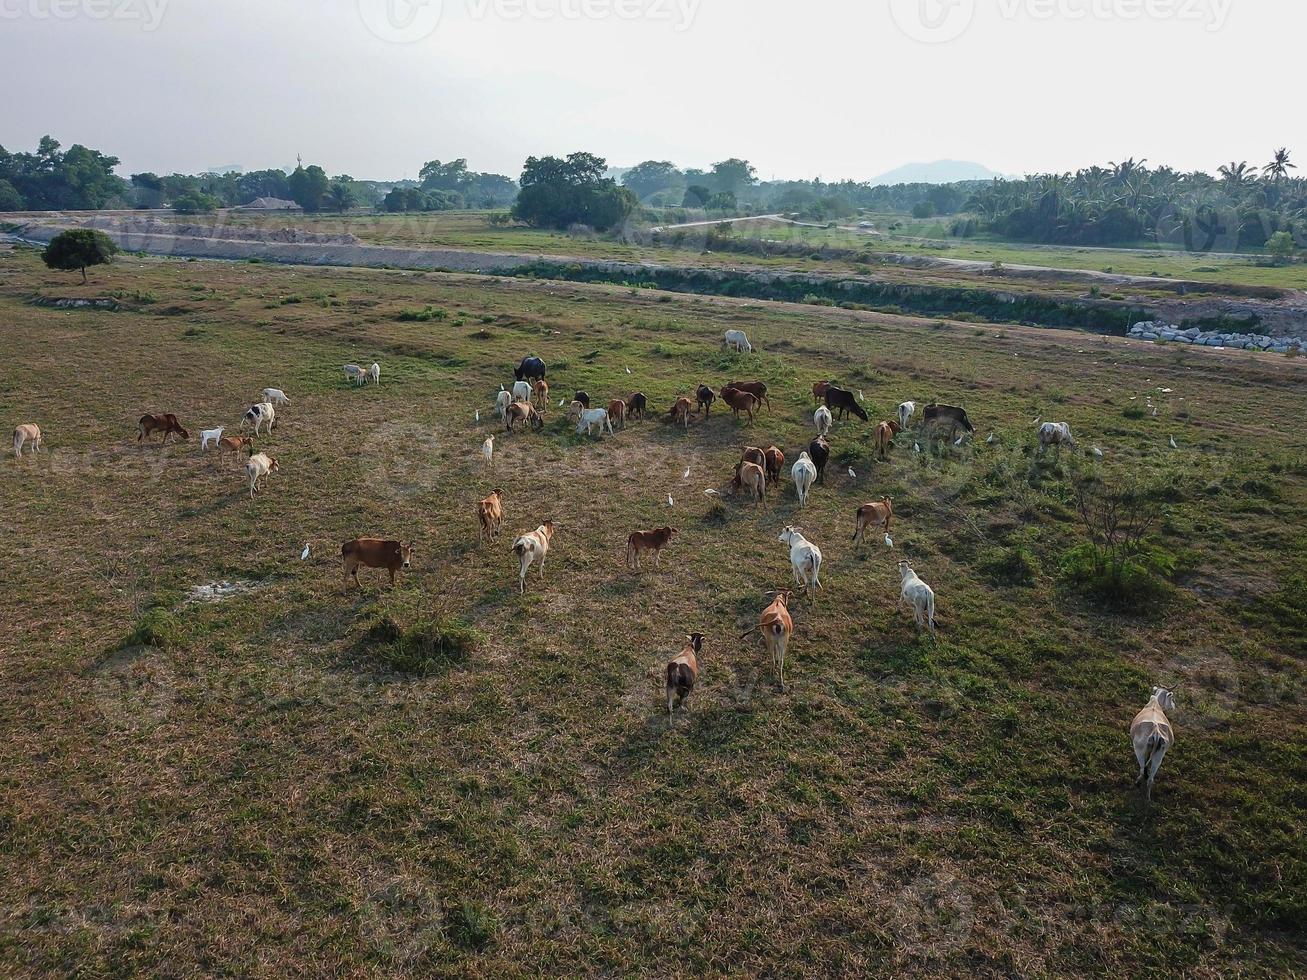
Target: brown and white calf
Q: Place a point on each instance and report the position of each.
(167, 424)
(374, 553)
(27, 432)
(523, 412)
(683, 671)
(530, 547)
(257, 468)
(490, 515)
(876, 515)
(752, 478)
(235, 444)
(655, 541)
(776, 628)
(1151, 735)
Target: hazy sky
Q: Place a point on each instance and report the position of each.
(803, 88)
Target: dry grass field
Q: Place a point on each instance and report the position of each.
(264, 785)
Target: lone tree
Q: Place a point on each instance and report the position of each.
(78, 249)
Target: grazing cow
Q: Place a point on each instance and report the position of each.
(947, 415)
(523, 412)
(805, 558)
(532, 546)
(737, 341)
(751, 477)
(276, 396)
(530, 369)
(617, 412)
(774, 461)
(488, 451)
(884, 435)
(752, 454)
(906, 411)
(574, 411)
(257, 468)
(819, 450)
(756, 388)
(356, 374)
(374, 553)
(704, 397)
(804, 474)
(740, 401)
(655, 541)
(635, 405)
(235, 444)
(876, 515)
(683, 671)
(582, 397)
(823, 420)
(776, 628)
(1152, 736)
(819, 391)
(920, 595)
(167, 424)
(522, 391)
(374, 372)
(490, 515)
(541, 390)
(210, 436)
(592, 417)
(841, 401)
(25, 433)
(258, 414)
(1055, 434)
(681, 411)
(502, 401)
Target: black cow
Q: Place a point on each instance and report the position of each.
(531, 369)
(705, 396)
(839, 400)
(819, 453)
(583, 398)
(948, 415)
(635, 405)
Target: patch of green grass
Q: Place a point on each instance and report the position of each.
(424, 648)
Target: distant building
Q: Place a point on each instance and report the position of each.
(269, 204)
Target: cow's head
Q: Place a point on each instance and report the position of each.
(272, 465)
(696, 641)
(183, 433)
(406, 553)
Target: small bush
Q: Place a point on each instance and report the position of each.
(812, 299)
(1011, 566)
(423, 315)
(1125, 584)
(156, 628)
(425, 648)
(471, 925)
(1134, 412)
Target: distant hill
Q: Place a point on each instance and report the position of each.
(936, 172)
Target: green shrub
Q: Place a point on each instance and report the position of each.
(470, 925)
(423, 315)
(157, 627)
(425, 648)
(1126, 584)
(1011, 566)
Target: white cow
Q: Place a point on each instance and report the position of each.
(276, 396)
(823, 420)
(591, 417)
(1152, 735)
(374, 372)
(257, 467)
(502, 401)
(1055, 434)
(805, 558)
(522, 391)
(258, 414)
(356, 374)
(737, 341)
(27, 432)
(919, 594)
(209, 436)
(804, 473)
(906, 411)
(531, 546)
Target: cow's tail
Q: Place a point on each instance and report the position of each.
(519, 547)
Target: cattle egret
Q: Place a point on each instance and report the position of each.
(712, 493)
(1037, 418)
(488, 450)
(959, 440)
(990, 440)
(670, 501)
(852, 475)
(1165, 391)
(478, 415)
(686, 474)
(628, 370)
(1173, 445)
(889, 542)
(1097, 452)
(916, 447)
(1154, 410)
(304, 555)
(560, 402)
(501, 387)
(861, 396)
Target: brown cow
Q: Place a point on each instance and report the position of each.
(490, 515)
(740, 401)
(775, 460)
(704, 397)
(751, 454)
(756, 388)
(885, 433)
(873, 515)
(681, 411)
(374, 553)
(819, 391)
(776, 628)
(635, 405)
(236, 444)
(540, 393)
(682, 671)
(617, 412)
(753, 478)
(523, 412)
(655, 541)
(167, 424)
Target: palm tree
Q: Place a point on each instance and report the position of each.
(1235, 174)
(1279, 167)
